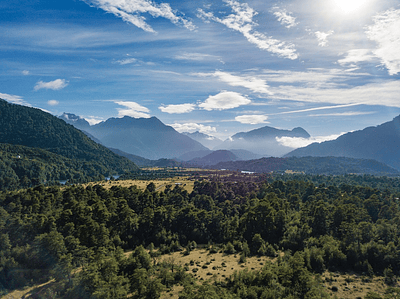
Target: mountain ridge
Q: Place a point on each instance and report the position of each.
(381, 142)
(36, 129)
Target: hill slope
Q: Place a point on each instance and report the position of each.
(381, 143)
(34, 128)
(310, 165)
(214, 158)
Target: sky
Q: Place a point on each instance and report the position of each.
(218, 67)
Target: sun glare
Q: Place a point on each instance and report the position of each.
(349, 6)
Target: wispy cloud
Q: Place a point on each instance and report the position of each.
(178, 108)
(132, 109)
(386, 33)
(25, 72)
(55, 85)
(253, 83)
(323, 37)
(297, 142)
(14, 99)
(355, 56)
(126, 61)
(314, 109)
(242, 21)
(196, 57)
(284, 17)
(343, 114)
(376, 93)
(252, 119)
(53, 102)
(192, 127)
(130, 11)
(224, 100)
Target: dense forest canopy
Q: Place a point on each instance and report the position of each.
(337, 223)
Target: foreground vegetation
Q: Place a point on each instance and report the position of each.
(302, 230)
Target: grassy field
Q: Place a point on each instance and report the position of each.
(218, 266)
(141, 184)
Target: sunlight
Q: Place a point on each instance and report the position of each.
(349, 6)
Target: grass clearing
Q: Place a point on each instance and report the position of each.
(142, 184)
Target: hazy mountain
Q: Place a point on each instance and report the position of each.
(214, 158)
(148, 138)
(206, 140)
(263, 141)
(311, 165)
(242, 154)
(30, 127)
(194, 154)
(144, 162)
(381, 143)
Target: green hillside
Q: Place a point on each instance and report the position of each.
(69, 153)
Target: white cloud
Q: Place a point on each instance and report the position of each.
(252, 119)
(386, 33)
(323, 37)
(192, 127)
(242, 21)
(130, 11)
(132, 109)
(55, 85)
(53, 102)
(14, 99)
(285, 18)
(355, 56)
(93, 120)
(255, 84)
(25, 72)
(224, 100)
(178, 108)
(298, 142)
(127, 61)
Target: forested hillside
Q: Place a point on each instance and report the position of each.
(37, 147)
(23, 167)
(32, 127)
(49, 232)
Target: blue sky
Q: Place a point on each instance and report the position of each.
(220, 66)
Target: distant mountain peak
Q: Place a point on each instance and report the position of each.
(75, 120)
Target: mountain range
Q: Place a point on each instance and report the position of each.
(151, 139)
(145, 137)
(381, 143)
